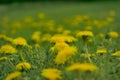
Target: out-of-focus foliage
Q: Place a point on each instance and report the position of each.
(11, 1)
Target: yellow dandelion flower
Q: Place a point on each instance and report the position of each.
(63, 38)
(88, 55)
(85, 33)
(82, 67)
(41, 15)
(13, 76)
(51, 74)
(113, 34)
(101, 35)
(20, 42)
(69, 38)
(59, 46)
(101, 51)
(86, 17)
(117, 53)
(16, 24)
(28, 19)
(65, 54)
(66, 32)
(3, 58)
(112, 13)
(57, 38)
(59, 29)
(36, 37)
(6, 38)
(8, 49)
(46, 37)
(37, 45)
(23, 66)
(110, 19)
(88, 28)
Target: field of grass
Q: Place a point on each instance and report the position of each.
(60, 41)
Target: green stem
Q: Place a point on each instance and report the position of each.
(21, 55)
(86, 51)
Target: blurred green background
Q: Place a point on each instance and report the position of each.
(12, 1)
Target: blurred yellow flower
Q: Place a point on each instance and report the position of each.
(28, 19)
(46, 37)
(6, 38)
(66, 32)
(68, 38)
(102, 35)
(8, 49)
(101, 51)
(110, 19)
(51, 73)
(59, 46)
(63, 38)
(82, 67)
(117, 53)
(57, 38)
(20, 41)
(89, 55)
(41, 15)
(3, 58)
(88, 28)
(23, 66)
(113, 34)
(14, 75)
(85, 33)
(65, 54)
(112, 13)
(17, 24)
(36, 37)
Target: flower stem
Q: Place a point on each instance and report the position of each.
(21, 55)
(86, 52)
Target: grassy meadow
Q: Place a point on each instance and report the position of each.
(60, 41)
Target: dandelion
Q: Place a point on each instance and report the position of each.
(28, 19)
(51, 73)
(63, 38)
(110, 19)
(14, 75)
(37, 45)
(20, 42)
(65, 54)
(69, 39)
(57, 38)
(23, 66)
(117, 53)
(88, 55)
(41, 15)
(66, 32)
(112, 13)
(16, 24)
(3, 58)
(82, 67)
(6, 38)
(59, 29)
(46, 37)
(113, 34)
(8, 49)
(36, 37)
(88, 28)
(59, 46)
(102, 35)
(85, 35)
(101, 51)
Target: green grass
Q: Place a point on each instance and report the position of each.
(41, 58)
